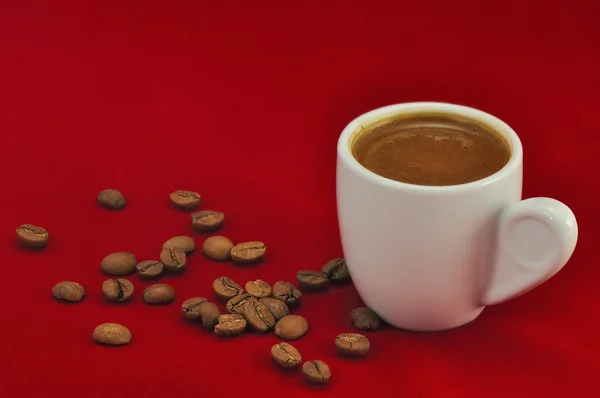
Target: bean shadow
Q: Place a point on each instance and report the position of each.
(21, 248)
(248, 265)
(181, 210)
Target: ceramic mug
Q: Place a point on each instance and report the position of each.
(430, 258)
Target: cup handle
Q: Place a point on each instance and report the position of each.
(536, 237)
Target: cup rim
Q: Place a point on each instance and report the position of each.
(346, 138)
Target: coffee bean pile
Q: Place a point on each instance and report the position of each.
(257, 305)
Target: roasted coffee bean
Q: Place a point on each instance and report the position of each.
(112, 334)
(248, 252)
(316, 372)
(209, 312)
(119, 263)
(174, 259)
(352, 344)
(117, 290)
(187, 200)
(291, 327)
(312, 280)
(217, 248)
(278, 308)
(68, 291)
(258, 288)
(258, 316)
(236, 304)
(191, 308)
(230, 324)
(184, 243)
(286, 355)
(336, 270)
(150, 268)
(111, 199)
(286, 292)
(225, 288)
(207, 220)
(32, 236)
(159, 293)
(364, 318)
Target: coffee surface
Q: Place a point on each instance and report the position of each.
(432, 150)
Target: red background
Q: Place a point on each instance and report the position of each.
(244, 103)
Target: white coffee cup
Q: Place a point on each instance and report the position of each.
(430, 258)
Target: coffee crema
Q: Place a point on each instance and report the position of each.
(432, 149)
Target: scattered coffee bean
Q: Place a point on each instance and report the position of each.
(209, 312)
(258, 316)
(236, 304)
(291, 327)
(258, 288)
(217, 248)
(286, 292)
(32, 236)
(248, 252)
(150, 269)
(312, 280)
(191, 308)
(364, 318)
(159, 293)
(336, 270)
(207, 220)
(352, 344)
(174, 259)
(111, 199)
(230, 324)
(184, 243)
(117, 290)
(68, 291)
(187, 200)
(119, 263)
(278, 308)
(225, 288)
(112, 334)
(316, 372)
(286, 355)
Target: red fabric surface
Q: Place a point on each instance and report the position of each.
(244, 103)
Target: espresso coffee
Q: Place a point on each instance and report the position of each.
(432, 149)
